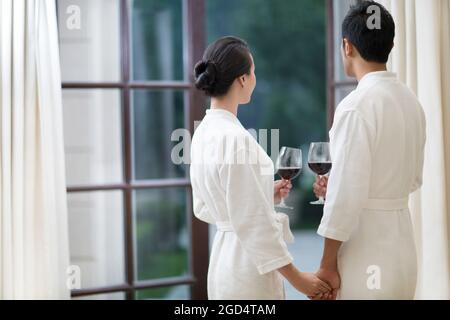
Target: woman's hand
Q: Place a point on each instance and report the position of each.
(281, 190)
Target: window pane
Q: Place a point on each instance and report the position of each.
(342, 92)
(104, 296)
(168, 293)
(157, 40)
(96, 235)
(155, 115)
(89, 35)
(161, 233)
(92, 136)
(287, 40)
(340, 9)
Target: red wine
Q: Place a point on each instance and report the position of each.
(289, 173)
(321, 168)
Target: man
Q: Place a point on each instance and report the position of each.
(377, 149)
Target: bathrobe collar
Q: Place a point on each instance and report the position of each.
(373, 77)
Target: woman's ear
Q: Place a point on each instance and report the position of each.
(242, 81)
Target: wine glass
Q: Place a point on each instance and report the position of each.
(289, 166)
(319, 161)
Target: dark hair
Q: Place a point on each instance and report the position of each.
(373, 44)
(223, 61)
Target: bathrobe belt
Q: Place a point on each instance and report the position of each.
(282, 223)
(386, 204)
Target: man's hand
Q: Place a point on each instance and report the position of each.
(305, 282)
(328, 270)
(331, 277)
(281, 190)
(311, 285)
(320, 186)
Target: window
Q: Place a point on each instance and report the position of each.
(288, 42)
(339, 85)
(126, 86)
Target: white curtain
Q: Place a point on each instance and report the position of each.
(421, 57)
(34, 252)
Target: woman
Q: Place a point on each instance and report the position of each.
(233, 187)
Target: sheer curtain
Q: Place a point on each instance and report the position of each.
(34, 252)
(421, 57)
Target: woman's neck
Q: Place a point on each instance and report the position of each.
(225, 103)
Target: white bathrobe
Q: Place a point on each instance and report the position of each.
(233, 188)
(377, 150)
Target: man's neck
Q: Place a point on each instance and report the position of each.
(366, 68)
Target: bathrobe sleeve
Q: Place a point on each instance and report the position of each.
(348, 183)
(251, 214)
(420, 156)
(200, 209)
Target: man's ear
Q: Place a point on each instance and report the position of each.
(348, 48)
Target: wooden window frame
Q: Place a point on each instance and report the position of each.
(194, 34)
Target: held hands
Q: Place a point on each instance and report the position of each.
(281, 190)
(310, 285)
(331, 277)
(320, 186)
(307, 283)
(328, 270)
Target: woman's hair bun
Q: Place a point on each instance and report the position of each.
(205, 73)
(222, 63)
